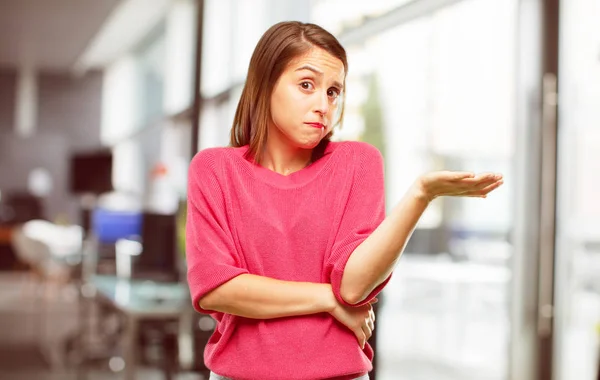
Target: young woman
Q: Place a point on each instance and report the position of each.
(288, 241)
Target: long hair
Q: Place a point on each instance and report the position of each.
(279, 45)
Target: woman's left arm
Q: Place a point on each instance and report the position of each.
(374, 259)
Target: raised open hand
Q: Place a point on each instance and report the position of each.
(462, 184)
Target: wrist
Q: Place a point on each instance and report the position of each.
(420, 192)
(328, 299)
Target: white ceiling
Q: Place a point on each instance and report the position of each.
(49, 34)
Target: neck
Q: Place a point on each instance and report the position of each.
(283, 158)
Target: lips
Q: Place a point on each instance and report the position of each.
(316, 125)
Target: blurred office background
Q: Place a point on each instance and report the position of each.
(103, 104)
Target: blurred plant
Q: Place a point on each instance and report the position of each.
(181, 223)
(374, 132)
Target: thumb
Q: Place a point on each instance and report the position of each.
(463, 175)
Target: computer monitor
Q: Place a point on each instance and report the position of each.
(159, 259)
(91, 172)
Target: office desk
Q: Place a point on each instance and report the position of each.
(139, 300)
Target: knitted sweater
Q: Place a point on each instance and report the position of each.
(244, 218)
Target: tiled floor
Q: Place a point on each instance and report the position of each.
(446, 325)
(439, 325)
(420, 341)
(22, 332)
(429, 328)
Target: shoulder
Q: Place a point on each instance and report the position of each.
(209, 163)
(209, 159)
(361, 152)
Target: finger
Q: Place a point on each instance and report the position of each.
(489, 175)
(479, 180)
(375, 300)
(367, 329)
(475, 188)
(457, 176)
(362, 339)
(370, 319)
(367, 326)
(485, 175)
(486, 184)
(493, 186)
(482, 193)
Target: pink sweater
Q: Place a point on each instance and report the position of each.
(244, 218)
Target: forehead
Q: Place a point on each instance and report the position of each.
(322, 61)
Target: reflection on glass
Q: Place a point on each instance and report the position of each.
(151, 60)
(437, 93)
(577, 287)
(349, 14)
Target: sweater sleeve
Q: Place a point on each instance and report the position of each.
(363, 213)
(211, 256)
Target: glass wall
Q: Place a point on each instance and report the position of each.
(577, 284)
(229, 40)
(437, 89)
(148, 92)
(437, 93)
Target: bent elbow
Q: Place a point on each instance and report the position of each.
(208, 301)
(204, 303)
(351, 296)
(220, 298)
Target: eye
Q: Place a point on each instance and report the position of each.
(333, 93)
(306, 85)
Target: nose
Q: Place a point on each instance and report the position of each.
(322, 103)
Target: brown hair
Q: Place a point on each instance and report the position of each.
(280, 44)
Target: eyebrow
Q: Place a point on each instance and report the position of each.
(319, 72)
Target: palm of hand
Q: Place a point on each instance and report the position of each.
(462, 184)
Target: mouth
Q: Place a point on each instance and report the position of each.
(316, 125)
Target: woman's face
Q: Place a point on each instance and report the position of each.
(305, 99)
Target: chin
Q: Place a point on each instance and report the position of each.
(310, 141)
(309, 144)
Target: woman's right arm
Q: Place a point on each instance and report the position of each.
(259, 297)
(217, 279)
